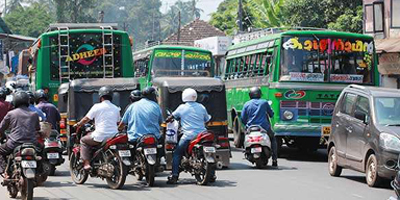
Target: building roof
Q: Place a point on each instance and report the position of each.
(195, 30)
(389, 45)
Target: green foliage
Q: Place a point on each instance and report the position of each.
(350, 21)
(269, 13)
(30, 21)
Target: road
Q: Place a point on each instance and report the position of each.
(299, 177)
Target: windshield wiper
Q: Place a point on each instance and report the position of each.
(392, 125)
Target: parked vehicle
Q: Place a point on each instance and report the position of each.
(110, 160)
(199, 159)
(396, 182)
(25, 168)
(366, 133)
(257, 145)
(147, 159)
(52, 152)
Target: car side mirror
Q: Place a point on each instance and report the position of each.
(361, 116)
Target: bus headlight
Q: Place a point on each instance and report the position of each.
(288, 115)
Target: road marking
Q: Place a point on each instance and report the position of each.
(358, 196)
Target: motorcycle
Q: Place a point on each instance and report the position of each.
(110, 160)
(23, 169)
(199, 159)
(52, 152)
(147, 159)
(257, 146)
(396, 182)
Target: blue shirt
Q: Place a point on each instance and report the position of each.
(192, 116)
(38, 111)
(143, 117)
(256, 112)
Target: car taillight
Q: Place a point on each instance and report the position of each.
(149, 140)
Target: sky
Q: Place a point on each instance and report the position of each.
(208, 6)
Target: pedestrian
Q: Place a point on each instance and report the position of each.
(52, 114)
(256, 112)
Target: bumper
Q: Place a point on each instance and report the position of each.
(299, 130)
(387, 164)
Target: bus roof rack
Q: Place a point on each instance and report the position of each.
(54, 27)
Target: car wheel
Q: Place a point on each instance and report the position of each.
(372, 176)
(334, 168)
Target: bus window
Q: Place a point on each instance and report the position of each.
(141, 67)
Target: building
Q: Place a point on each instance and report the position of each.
(382, 20)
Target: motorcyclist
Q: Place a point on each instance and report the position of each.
(106, 116)
(135, 96)
(4, 105)
(192, 117)
(143, 117)
(52, 114)
(256, 112)
(23, 125)
(32, 107)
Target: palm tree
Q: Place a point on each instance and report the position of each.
(270, 10)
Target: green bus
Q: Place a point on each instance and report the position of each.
(171, 69)
(301, 73)
(72, 51)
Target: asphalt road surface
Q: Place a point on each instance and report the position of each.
(300, 176)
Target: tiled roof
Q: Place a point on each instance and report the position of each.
(195, 30)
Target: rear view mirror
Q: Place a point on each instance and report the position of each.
(361, 116)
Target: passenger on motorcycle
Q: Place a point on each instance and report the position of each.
(192, 117)
(135, 96)
(4, 105)
(256, 112)
(23, 125)
(143, 117)
(106, 116)
(52, 114)
(33, 108)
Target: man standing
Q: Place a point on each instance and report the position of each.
(106, 116)
(256, 112)
(143, 117)
(52, 114)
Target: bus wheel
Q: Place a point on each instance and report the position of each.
(237, 133)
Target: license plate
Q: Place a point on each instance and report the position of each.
(28, 164)
(53, 156)
(124, 153)
(150, 151)
(209, 149)
(326, 130)
(256, 150)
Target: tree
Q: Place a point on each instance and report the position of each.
(269, 12)
(75, 11)
(350, 21)
(29, 21)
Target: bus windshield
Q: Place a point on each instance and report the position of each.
(170, 63)
(327, 59)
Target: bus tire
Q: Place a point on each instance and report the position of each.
(238, 136)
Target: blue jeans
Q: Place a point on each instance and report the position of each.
(178, 153)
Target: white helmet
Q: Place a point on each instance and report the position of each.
(189, 95)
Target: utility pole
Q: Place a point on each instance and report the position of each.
(240, 15)
(194, 9)
(179, 27)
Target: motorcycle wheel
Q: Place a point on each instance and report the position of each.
(261, 163)
(52, 170)
(204, 175)
(27, 189)
(78, 174)
(150, 174)
(138, 170)
(40, 179)
(117, 181)
(12, 190)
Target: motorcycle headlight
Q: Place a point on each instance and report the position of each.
(288, 115)
(389, 142)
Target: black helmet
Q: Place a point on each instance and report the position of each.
(40, 94)
(3, 93)
(106, 92)
(31, 97)
(150, 93)
(255, 93)
(136, 95)
(20, 98)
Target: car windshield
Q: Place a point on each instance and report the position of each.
(387, 111)
(170, 63)
(327, 59)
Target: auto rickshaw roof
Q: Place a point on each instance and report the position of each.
(94, 84)
(200, 84)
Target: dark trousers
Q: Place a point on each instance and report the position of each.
(4, 152)
(87, 143)
(274, 145)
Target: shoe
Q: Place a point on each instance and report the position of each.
(87, 167)
(213, 178)
(275, 163)
(172, 179)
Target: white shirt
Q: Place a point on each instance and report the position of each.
(105, 116)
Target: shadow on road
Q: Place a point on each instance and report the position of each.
(361, 179)
(192, 181)
(137, 186)
(46, 198)
(296, 155)
(62, 173)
